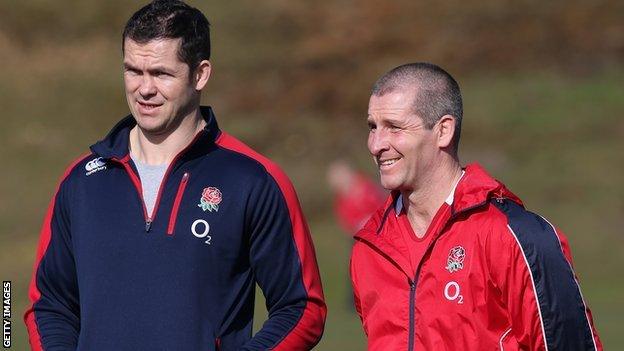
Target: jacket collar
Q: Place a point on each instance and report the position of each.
(398, 203)
(116, 144)
(476, 188)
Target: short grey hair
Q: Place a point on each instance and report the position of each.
(437, 93)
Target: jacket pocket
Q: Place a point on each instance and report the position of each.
(173, 217)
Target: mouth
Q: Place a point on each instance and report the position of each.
(147, 107)
(387, 163)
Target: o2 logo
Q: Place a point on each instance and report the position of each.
(452, 292)
(200, 229)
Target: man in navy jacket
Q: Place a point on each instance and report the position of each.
(156, 238)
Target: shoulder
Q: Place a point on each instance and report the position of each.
(81, 167)
(370, 230)
(522, 223)
(527, 233)
(67, 183)
(377, 219)
(252, 162)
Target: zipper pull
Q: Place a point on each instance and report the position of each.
(148, 225)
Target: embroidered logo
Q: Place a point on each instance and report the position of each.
(455, 259)
(95, 165)
(210, 199)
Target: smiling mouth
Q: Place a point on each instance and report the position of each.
(148, 106)
(388, 162)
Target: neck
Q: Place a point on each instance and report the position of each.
(162, 148)
(422, 203)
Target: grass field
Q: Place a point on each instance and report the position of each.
(555, 137)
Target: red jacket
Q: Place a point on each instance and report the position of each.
(495, 276)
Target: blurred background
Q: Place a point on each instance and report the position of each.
(543, 86)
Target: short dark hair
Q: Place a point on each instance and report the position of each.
(437, 93)
(172, 19)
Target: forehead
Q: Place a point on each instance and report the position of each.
(395, 103)
(157, 51)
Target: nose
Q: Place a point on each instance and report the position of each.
(147, 88)
(377, 141)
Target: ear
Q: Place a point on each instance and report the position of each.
(446, 130)
(202, 74)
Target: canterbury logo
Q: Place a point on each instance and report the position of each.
(95, 165)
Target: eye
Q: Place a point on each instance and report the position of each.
(394, 128)
(162, 74)
(371, 126)
(133, 71)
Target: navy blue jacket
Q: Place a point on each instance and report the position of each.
(108, 276)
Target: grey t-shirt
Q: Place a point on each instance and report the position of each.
(151, 177)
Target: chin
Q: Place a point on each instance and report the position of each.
(150, 125)
(389, 184)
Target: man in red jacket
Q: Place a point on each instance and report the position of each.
(454, 261)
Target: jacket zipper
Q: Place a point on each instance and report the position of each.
(137, 184)
(176, 204)
(412, 306)
(149, 219)
(413, 283)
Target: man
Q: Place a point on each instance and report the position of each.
(155, 239)
(454, 261)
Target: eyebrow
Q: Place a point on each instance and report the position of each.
(389, 120)
(129, 65)
(159, 68)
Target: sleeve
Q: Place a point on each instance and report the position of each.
(539, 287)
(284, 263)
(356, 293)
(53, 319)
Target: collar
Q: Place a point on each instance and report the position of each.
(474, 187)
(116, 143)
(398, 205)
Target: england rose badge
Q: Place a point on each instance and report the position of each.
(210, 199)
(455, 259)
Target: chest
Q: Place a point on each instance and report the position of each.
(198, 220)
(452, 289)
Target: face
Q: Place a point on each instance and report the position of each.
(403, 149)
(159, 90)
